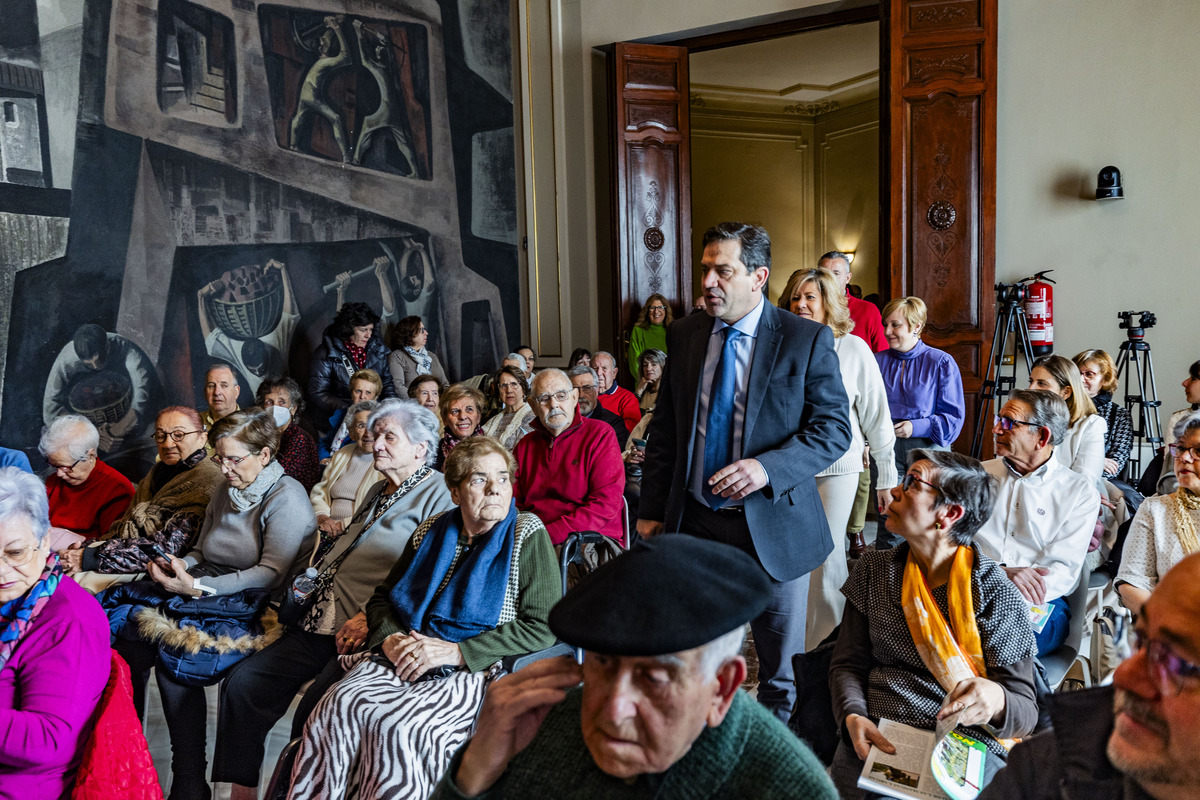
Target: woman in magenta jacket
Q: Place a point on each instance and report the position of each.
(54, 652)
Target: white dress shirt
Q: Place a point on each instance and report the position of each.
(744, 348)
(1043, 519)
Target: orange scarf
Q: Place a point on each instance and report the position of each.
(951, 652)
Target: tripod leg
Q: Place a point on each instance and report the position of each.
(987, 391)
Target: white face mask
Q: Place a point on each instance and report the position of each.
(282, 415)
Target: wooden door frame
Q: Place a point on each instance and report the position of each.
(801, 23)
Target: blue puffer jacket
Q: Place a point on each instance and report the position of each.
(331, 368)
(199, 638)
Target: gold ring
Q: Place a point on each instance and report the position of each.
(413, 656)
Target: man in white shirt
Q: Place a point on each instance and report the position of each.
(1044, 514)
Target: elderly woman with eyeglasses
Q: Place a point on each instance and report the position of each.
(86, 495)
(167, 509)
(1164, 531)
(257, 692)
(932, 627)
(515, 416)
(54, 652)
(254, 530)
(474, 584)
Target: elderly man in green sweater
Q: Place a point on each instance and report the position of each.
(660, 713)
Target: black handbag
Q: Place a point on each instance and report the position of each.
(292, 611)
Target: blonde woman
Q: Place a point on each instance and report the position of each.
(814, 293)
(1099, 376)
(924, 389)
(649, 331)
(1082, 449)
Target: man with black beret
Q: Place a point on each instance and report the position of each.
(660, 713)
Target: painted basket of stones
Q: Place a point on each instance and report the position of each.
(250, 305)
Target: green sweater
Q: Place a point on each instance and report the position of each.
(535, 588)
(749, 755)
(652, 336)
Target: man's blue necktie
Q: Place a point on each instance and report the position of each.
(718, 431)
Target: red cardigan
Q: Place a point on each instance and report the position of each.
(572, 482)
(91, 508)
(868, 323)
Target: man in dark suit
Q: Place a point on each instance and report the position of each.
(767, 385)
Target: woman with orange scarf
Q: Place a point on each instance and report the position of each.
(932, 627)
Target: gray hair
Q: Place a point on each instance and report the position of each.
(72, 431)
(654, 355)
(517, 357)
(22, 493)
(717, 652)
(1190, 422)
(418, 423)
(961, 481)
(1046, 410)
(541, 376)
(582, 370)
(364, 405)
(604, 353)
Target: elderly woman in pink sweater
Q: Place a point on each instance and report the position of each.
(54, 652)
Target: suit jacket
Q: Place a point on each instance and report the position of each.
(796, 424)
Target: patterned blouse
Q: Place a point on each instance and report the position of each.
(898, 685)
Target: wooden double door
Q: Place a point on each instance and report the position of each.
(938, 174)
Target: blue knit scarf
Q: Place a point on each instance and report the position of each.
(472, 598)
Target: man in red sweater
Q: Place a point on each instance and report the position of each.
(868, 324)
(616, 399)
(569, 468)
(86, 495)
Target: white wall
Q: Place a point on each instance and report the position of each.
(1083, 84)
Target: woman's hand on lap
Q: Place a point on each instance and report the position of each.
(179, 583)
(863, 734)
(981, 702)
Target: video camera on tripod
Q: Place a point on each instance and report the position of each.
(1141, 401)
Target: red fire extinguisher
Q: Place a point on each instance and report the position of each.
(1039, 312)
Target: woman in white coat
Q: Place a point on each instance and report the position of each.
(814, 293)
(1082, 449)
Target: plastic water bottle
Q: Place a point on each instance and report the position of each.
(304, 584)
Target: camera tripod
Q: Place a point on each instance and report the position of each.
(1010, 321)
(1134, 361)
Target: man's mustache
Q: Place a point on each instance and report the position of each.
(1139, 710)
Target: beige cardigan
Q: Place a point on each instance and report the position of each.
(319, 496)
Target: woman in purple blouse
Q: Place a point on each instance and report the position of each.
(924, 388)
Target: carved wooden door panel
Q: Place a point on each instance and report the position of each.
(941, 174)
(652, 220)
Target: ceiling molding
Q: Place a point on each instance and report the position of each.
(855, 80)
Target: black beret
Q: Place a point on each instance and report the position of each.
(666, 595)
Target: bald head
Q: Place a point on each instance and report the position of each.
(558, 411)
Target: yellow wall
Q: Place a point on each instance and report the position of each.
(814, 185)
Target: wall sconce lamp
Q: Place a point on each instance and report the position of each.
(1108, 184)
(849, 256)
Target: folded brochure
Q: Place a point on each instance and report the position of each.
(928, 765)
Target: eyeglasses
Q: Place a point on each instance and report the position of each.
(909, 479)
(160, 436)
(229, 461)
(69, 467)
(561, 396)
(652, 309)
(1006, 423)
(1171, 673)
(1177, 451)
(18, 558)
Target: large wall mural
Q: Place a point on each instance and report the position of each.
(241, 169)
